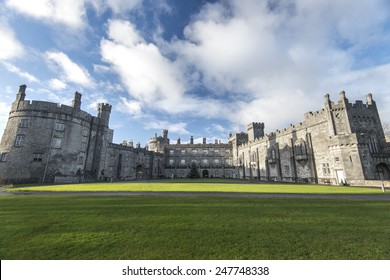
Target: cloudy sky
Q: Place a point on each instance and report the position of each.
(201, 68)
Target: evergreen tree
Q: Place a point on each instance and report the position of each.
(194, 173)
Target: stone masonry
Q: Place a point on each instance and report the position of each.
(343, 143)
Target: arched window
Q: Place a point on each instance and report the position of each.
(300, 147)
(272, 153)
(373, 144)
(254, 157)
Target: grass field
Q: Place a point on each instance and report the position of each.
(161, 227)
(202, 185)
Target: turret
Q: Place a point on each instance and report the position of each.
(343, 99)
(327, 100)
(255, 130)
(76, 104)
(104, 111)
(20, 96)
(165, 133)
(370, 100)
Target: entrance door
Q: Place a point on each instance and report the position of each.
(139, 172)
(340, 176)
(382, 172)
(205, 174)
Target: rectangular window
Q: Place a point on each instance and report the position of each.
(171, 162)
(171, 152)
(287, 168)
(205, 161)
(59, 127)
(216, 161)
(38, 157)
(336, 159)
(205, 152)
(216, 151)
(3, 157)
(183, 162)
(24, 123)
(325, 168)
(183, 152)
(56, 144)
(194, 152)
(19, 140)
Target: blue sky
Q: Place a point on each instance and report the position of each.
(201, 68)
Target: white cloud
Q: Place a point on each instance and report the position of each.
(268, 55)
(117, 6)
(57, 84)
(179, 128)
(10, 47)
(70, 12)
(268, 61)
(4, 111)
(101, 68)
(71, 71)
(134, 108)
(12, 68)
(146, 73)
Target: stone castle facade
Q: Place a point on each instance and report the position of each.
(343, 143)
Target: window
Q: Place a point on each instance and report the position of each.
(194, 152)
(325, 168)
(372, 145)
(19, 140)
(216, 161)
(300, 147)
(3, 157)
(254, 157)
(205, 161)
(273, 153)
(287, 168)
(205, 152)
(171, 152)
(183, 152)
(56, 144)
(37, 157)
(59, 127)
(171, 162)
(24, 123)
(216, 151)
(336, 159)
(182, 161)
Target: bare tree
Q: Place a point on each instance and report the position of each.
(386, 129)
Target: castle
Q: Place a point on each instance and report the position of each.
(343, 143)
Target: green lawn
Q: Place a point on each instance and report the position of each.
(165, 227)
(202, 186)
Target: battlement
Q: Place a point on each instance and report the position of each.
(104, 107)
(49, 107)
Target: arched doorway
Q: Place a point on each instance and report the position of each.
(205, 173)
(382, 172)
(139, 172)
